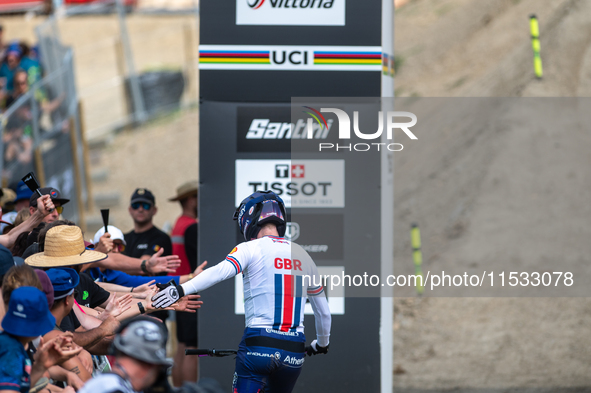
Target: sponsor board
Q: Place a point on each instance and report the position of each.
(290, 58)
(291, 12)
(335, 298)
(269, 128)
(300, 183)
(321, 235)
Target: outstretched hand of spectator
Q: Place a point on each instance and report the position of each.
(159, 264)
(187, 303)
(116, 306)
(200, 269)
(144, 291)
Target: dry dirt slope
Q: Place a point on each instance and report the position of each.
(482, 48)
(510, 195)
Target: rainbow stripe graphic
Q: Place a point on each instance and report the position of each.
(318, 114)
(234, 57)
(347, 58)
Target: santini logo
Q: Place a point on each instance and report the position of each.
(256, 4)
(345, 129)
(266, 129)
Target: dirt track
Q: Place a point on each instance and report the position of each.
(457, 48)
(512, 198)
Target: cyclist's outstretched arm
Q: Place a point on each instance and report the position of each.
(209, 277)
(322, 318)
(234, 263)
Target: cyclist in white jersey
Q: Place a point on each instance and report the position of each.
(278, 276)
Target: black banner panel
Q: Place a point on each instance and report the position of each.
(255, 57)
(216, 85)
(320, 231)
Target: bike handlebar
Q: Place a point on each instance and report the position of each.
(217, 353)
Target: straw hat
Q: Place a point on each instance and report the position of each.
(64, 246)
(186, 190)
(7, 196)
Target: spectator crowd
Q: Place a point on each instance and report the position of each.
(24, 104)
(77, 315)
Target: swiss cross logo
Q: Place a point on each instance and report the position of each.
(297, 171)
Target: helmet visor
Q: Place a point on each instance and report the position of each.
(270, 209)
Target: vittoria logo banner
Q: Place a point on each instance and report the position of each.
(291, 12)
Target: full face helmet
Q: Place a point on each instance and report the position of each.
(258, 209)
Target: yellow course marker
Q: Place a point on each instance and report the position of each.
(417, 256)
(535, 43)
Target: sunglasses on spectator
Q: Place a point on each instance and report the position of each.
(144, 205)
(59, 209)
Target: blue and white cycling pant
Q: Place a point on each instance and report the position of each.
(268, 361)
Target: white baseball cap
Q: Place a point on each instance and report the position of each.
(115, 232)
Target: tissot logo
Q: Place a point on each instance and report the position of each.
(298, 171)
(301, 183)
(281, 171)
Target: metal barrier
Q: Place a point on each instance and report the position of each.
(142, 66)
(41, 129)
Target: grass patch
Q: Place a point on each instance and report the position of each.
(458, 83)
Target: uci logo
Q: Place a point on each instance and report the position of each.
(295, 57)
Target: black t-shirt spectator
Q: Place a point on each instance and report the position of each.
(88, 294)
(147, 243)
(191, 245)
(70, 322)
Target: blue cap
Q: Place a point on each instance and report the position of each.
(6, 261)
(22, 192)
(15, 47)
(64, 280)
(28, 313)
